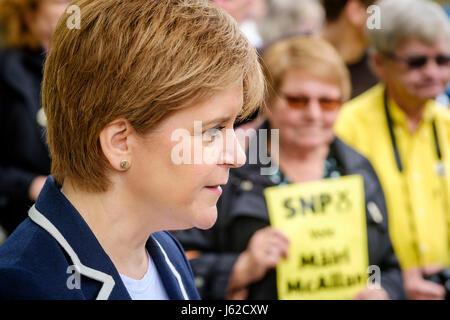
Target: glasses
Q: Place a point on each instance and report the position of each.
(301, 102)
(417, 62)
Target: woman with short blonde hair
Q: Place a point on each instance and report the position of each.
(116, 93)
(313, 56)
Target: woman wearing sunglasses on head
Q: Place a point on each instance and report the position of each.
(308, 82)
(115, 91)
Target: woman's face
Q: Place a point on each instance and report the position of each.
(43, 22)
(185, 194)
(305, 110)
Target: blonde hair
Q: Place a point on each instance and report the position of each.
(140, 60)
(312, 55)
(13, 21)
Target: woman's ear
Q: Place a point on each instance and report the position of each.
(114, 141)
(356, 13)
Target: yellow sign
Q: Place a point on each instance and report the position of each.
(325, 222)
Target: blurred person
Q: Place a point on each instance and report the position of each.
(257, 10)
(28, 26)
(398, 126)
(115, 92)
(246, 13)
(289, 18)
(238, 9)
(285, 19)
(345, 28)
(308, 82)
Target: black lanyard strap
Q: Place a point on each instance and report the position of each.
(404, 183)
(390, 124)
(436, 141)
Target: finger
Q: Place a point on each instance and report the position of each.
(240, 294)
(431, 290)
(279, 234)
(277, 254)
(431, 269)
(271, 232)
(269, 257)
(276, 244)
(272, 261)
(425, 297)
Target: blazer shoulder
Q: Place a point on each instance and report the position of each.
(19, 244)
(19, 283)
(32, 264)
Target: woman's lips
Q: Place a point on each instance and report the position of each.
(216, 189)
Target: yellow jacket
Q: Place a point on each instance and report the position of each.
(418, 197)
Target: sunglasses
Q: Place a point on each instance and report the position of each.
(417, 62)
(301, 102)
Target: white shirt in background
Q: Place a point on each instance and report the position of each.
(250, 29)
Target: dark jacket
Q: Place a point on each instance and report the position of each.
(242, 211)
(21, 136)
(38, 261)
(361, 76)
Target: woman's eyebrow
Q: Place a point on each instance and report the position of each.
(217, 120)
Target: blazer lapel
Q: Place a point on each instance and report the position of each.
(168, 277)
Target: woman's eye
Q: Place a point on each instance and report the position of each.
(214, 132)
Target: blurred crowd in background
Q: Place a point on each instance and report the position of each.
(348, 97)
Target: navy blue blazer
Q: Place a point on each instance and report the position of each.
(53, 254)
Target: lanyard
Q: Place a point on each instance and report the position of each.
(405, 187)
(398, 159)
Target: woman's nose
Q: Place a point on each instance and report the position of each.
(233, 152)
(313, 110)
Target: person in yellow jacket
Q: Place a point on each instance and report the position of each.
(406, 136)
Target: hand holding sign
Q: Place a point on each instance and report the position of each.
(265, 249)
